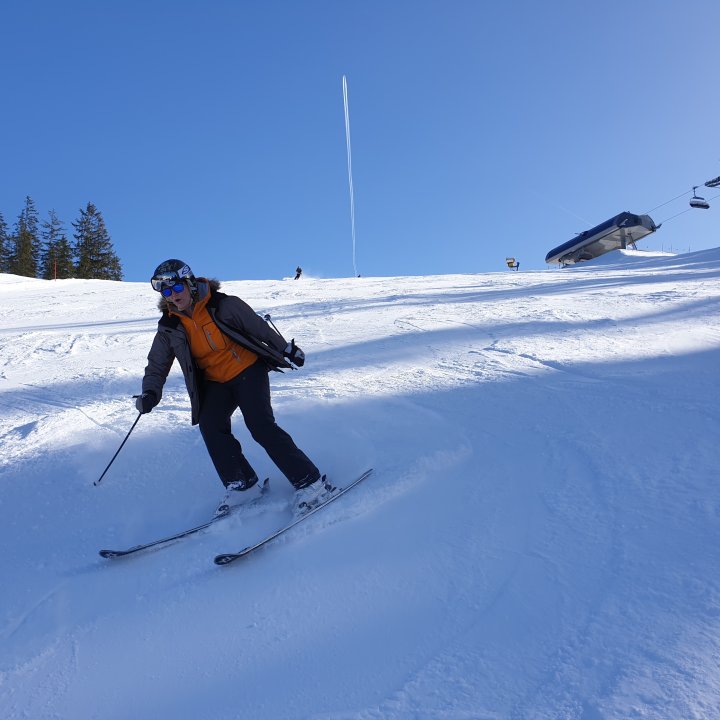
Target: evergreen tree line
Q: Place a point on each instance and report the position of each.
(42, 249)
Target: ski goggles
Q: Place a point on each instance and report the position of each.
(168, 290)
(168, 279)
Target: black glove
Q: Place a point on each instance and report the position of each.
(146, 402)
(295, 354)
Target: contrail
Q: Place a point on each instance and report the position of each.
(349, 162)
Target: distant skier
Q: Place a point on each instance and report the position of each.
(298, 272)
(225, 351)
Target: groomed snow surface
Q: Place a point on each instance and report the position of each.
(540, 537)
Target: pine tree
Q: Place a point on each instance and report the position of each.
(58, 256)
(25, 246)
(96, 258)
(4, 245)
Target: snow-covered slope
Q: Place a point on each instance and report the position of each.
(626, 257)
(540, 538)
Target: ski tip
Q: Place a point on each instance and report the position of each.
(224, 559)
(109, 553)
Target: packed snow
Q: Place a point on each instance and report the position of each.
(540, 537)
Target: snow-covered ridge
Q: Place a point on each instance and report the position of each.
(539, 538)
(648, 258)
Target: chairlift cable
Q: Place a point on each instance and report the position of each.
(682, 212)
(668, 202)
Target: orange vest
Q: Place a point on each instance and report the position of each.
(219, 357)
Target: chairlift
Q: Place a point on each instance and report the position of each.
(614, 234)
(698, 202)
(715, 182)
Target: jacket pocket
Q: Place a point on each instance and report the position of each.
(214, 338)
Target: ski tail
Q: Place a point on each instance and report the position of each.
(109, 554)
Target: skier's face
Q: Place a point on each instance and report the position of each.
(181, 300)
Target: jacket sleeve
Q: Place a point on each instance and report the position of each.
(237, 313)
(160, 360)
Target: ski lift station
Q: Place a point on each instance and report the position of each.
(617, 233)
(614, 234)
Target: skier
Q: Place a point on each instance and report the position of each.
(225, 351)
(298, 272)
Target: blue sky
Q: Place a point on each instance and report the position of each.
(214, 131)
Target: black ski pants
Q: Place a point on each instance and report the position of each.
(249, 391)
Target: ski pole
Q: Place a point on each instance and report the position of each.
(267, 318)
(97, 482)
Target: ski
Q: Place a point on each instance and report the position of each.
(185, 533)
(227, 558)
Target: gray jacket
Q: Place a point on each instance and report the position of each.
(234, 317)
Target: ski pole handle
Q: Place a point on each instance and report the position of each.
(267, 318)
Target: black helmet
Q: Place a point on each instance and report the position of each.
(171, 271)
